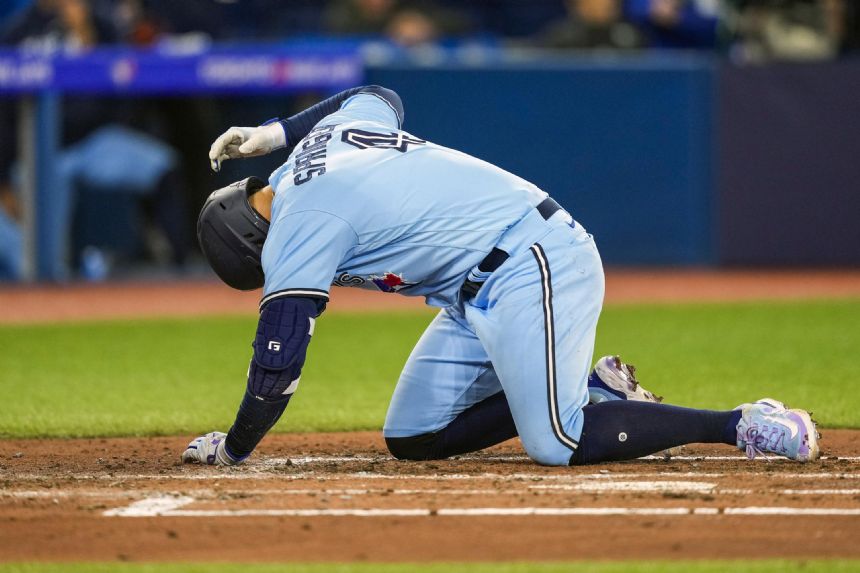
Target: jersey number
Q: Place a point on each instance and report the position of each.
(370, 140)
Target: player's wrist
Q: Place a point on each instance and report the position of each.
(276, 132)
(284, 133)
(225, 457)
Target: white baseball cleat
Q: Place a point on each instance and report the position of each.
(768, 426)
(612, 379)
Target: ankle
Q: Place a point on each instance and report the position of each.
(730, 433)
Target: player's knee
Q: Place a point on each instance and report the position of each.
(547, 453)
(420, 447)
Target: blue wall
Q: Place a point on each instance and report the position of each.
(789, 184)
(667, 159)
(624, 144)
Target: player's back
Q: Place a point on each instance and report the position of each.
(422, 214)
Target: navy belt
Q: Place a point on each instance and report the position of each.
(547, 208)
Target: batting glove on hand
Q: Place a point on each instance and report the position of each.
(241, 142)
(209, 449)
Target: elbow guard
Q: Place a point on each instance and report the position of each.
(283, 334)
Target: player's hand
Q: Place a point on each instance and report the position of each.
(209, 449)
(241, 142)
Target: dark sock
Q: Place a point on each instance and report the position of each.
(484, 424)
(730, 432)
(254, 419)
(625, 430)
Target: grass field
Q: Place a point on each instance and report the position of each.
(162, 377)
(767, 566)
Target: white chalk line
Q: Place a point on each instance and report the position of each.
(744, 458)
(169, 506)
(633, 486)
(102, 494)
(251, 474)
(609, 487)
(820, 492)
(309, 460)
(345, 493)
(151, 506)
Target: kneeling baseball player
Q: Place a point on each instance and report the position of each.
(361, 203)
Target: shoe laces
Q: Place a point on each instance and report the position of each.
(757, 443)
(752, 451)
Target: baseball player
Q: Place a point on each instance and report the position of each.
(361, 203)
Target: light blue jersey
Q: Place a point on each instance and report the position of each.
(361, 203)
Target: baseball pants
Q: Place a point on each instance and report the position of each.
(529, 331)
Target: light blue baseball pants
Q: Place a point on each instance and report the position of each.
(529, 331)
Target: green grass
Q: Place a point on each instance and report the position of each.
(766, 566)
(162, 377)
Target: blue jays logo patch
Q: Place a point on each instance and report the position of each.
(391, 282)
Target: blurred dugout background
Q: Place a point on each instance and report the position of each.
(680, 132)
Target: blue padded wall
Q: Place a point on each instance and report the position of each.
(625, 144)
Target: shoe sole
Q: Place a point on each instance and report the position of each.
(811, 434)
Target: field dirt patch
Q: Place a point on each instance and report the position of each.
(341, 497)
(188, 298)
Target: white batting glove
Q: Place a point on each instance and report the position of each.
(209, 449)
(241, 142)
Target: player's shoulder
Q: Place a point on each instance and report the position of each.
(308, 228)
(369, 107)
(339, 122)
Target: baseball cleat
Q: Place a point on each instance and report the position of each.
(768, 426)
(612, 379)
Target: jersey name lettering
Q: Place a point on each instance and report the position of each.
(310, 160)
(370, 140)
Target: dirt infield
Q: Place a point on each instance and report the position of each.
(41, 304)
(340, 497)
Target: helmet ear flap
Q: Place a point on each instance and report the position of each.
(231, 234)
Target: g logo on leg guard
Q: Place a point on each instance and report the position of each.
(283, 334)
